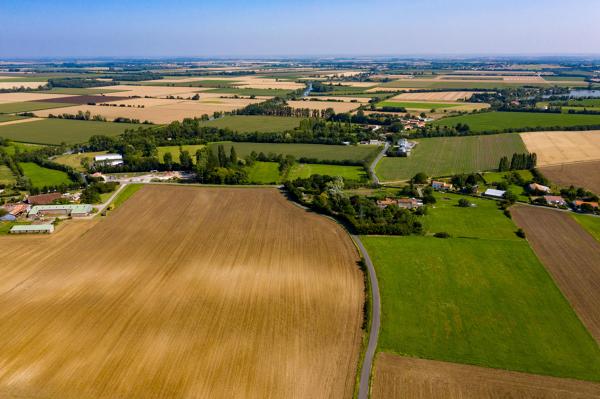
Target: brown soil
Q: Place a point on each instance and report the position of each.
(571, 255)
(407, 378)
(183, 292)
(582, 174)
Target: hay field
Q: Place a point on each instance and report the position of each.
(571, 255)
(337, 106)
(193, 292)
(362, 100)
(554, 148)
(157, 110)
(17, 121)
(434, 96)
(151, 91)
(408, 378)
(580, 174)
(23, 97)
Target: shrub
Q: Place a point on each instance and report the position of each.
(520, 233)
(441, 234)
(464, 203)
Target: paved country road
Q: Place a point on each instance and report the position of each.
(365, 373)
(376, 161)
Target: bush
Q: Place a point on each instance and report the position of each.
(520, 233)
(420, 178)
(441, 234)
(464, 203)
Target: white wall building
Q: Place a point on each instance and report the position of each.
(109, 159)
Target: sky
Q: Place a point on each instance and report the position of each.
(269, 28)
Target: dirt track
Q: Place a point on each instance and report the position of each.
(581, 174)
(183, 293)
(571, 255)
(407, 378)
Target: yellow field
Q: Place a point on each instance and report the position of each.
(152, 91)
(362, 100)
(30, 85)
(434, 96)
(20, 97)
(554, 148)
(26, 120)
(183, 292)
(337, 106)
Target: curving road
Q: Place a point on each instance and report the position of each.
(376, 161)
(365, 373)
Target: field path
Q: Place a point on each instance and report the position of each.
(376, 161)
(367, 366)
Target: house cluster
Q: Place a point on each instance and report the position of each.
(405, 147)
(410, 124)
(406, 203)
(441, 186)
(578, 205)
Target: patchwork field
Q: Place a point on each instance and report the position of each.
(505, 121)
(28, 106)
(571, 255)
(582, 174)
(43, 177)
(554, 148)
(590, 223)
(14, 85)
(398, 377)
(417, 105)
(338, 107)
(31, 96)
(434, 96)
(56, 131)
(254, 123)
(443, 156)
(269, 305)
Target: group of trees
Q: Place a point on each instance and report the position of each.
(518, 162)
(91, 194)
(78, 82)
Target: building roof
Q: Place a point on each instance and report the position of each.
(554, 198)
(580, 202)
(43, 199)
(78, 208)
(494, 193)
(539, 187)
(108, 157)
(8, 218)
(32, 227)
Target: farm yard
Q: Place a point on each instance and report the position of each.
(403, 377)
(505, 121)
(581, 174)
(56, 131)
(444, 156)
(555, 148)
(571, 255)
(279, 317)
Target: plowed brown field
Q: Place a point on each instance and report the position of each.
(398, 377)
(571, 255)
(581, 174)
(183, 292)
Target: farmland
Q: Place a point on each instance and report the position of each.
(554, 148)
(402, 377)
(264, 173)
(418, 105)
(56, 131)
(305, 170)
(505, 121)
(583, 174)
(443, 156)
(42, 177)
(434, 96)
(175, 151)
(571, 255)
(252, 123)
(75, 160)
(8, 118)
(7, 108)
(589, 223)
(6, 175)
(319, 151)
(278, 317)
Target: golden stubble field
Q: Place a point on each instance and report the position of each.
(183, 292)
(555, 148)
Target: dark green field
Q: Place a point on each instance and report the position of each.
(8, 118)
(484, 299)
(6, 175)
(56, 131)
(252, 123)
(27, 106)
(500, 121)
(41, 177)
(444, 156)
(318, 151)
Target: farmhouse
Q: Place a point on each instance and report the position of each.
(406, 203)
(440, 185)
(490, 192)
(538, 187)
(109, 159)
(16, 209)
(43, 199)
(577, 204)
(32, 229)
(554, 200)
(405, 147)
(61, 210)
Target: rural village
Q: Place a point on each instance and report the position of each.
(300, 227)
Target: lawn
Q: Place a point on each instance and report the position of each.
(44, 177)
(264, 173)
(417, 105)
(125, 194)
(74, 160)
(175, 150)
(444, 156)
(6, 175)
(28, 106)
(318, 151)
(56, 131)
(22, 147)
(501, 121)
(251, 123)
(304, 170)
(590, 223)
(486, 302)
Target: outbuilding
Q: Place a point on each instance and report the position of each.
(491, 192)
(32, 229)
(109, 159)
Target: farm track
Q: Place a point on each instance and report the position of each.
(408, 378)
(183, 292)
(570, 254)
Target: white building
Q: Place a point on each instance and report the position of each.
(109, 159)
(490, 192)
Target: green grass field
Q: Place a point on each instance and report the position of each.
(74, 160)
(175, 151)
(56, 131)
(264, 173)
(8, 118)
(417, 105)
(590, 223)
(252, 123)
(444, 156)
(28, 106)
(125, 194)
(318, 151)
(347, 172)
(22, 147)
(41, 177)
(500, 121)
(6, 175)
(249, 92)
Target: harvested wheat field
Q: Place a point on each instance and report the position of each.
(407, 378)
(151, 91)
(27, 85)
(17, 121)
(337, 106)
(581, 174)
(363, 100)
(434, 96)
(183, 292)
(23, 96)
(554, 148)
(571, 255)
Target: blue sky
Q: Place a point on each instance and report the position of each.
(63, 28)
